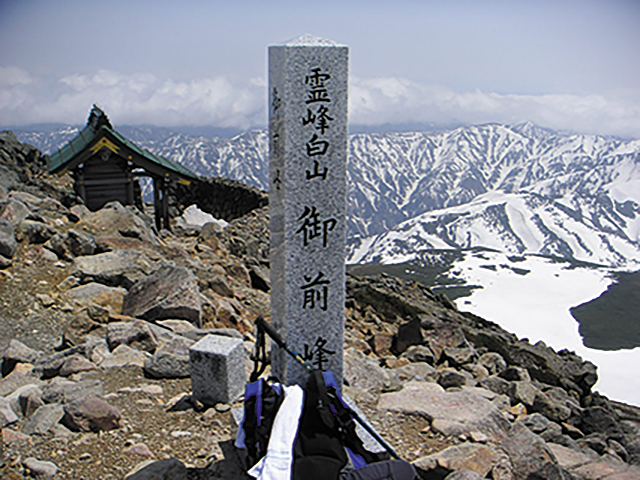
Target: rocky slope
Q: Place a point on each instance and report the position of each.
(95, 366)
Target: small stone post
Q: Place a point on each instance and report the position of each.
(308, 157)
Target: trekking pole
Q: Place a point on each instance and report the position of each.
(275, 336)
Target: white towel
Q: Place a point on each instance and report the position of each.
(277, 463)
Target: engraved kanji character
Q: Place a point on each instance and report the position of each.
(315, 292)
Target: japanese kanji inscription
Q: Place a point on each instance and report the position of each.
(308, 154)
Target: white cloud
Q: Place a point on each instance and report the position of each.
(397, 100)
(10, 76)
(134, 99)
(219, 101)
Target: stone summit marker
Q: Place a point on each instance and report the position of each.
(308, 158)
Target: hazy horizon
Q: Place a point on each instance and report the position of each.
(569, 65)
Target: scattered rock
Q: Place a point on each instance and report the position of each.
(452, 413)
(45, 300)
(171, 360)
(35, 232)
(17, 352)
(63, 391)
(75, 364)
(468, 456)
(160, 470)
(29, 399)
(530, 455)
(97, 294)
(124, 356)
(137, 334)
(14, 381)
(7, 415)
(138, 449)
(170, 292)
(121, 268)
(116, 220)
(419, 353)
(77, 330)
(40, 469)
(452, 378)
(91, 414)
(44, 418)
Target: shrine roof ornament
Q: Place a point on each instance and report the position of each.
(98, 134)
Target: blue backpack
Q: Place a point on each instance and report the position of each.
(326, 438)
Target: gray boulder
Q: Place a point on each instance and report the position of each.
(116, 220)
(8, 242)
(137, 334)
(452, 413)
(13, 211)
(599, 420)
(35, 232)
(123, 356)
(65, 391)
(44, 419)
(171, 360)
(97, 294)
(17, 352)
(535, 422)
(452, 378)
(74, 243)
(552, 404)
(459, 356)
(419, 371)
(529, 455)
(121, 268)
(474, 457)
(40, 469)
(523, 392)
(14, 381)
(493, 362)
(364, 373)
(76, 364)
(419, 353)
(91, 414)
(170, 292)
(80, 243)
(214, 278)
(496, 384)
(29, 400)
(7, 415)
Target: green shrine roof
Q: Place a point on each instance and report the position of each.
(99, 133)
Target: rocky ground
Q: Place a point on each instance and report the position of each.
(98, 311)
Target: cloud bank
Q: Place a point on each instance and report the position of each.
(144, 98)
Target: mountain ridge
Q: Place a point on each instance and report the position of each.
(592, 181)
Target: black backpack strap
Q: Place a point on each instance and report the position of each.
(347, 425)
(318, 387)
(319, 453)
(262, 402)
(387, 470)
(259, 356)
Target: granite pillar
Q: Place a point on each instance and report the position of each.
(308, 157)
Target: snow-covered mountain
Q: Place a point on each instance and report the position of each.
(518, 189)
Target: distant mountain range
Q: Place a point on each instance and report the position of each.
(517, 189)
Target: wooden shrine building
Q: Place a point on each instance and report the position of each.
(106, 167)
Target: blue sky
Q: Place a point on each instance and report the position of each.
(569, 64)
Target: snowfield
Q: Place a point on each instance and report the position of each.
(536, 306)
